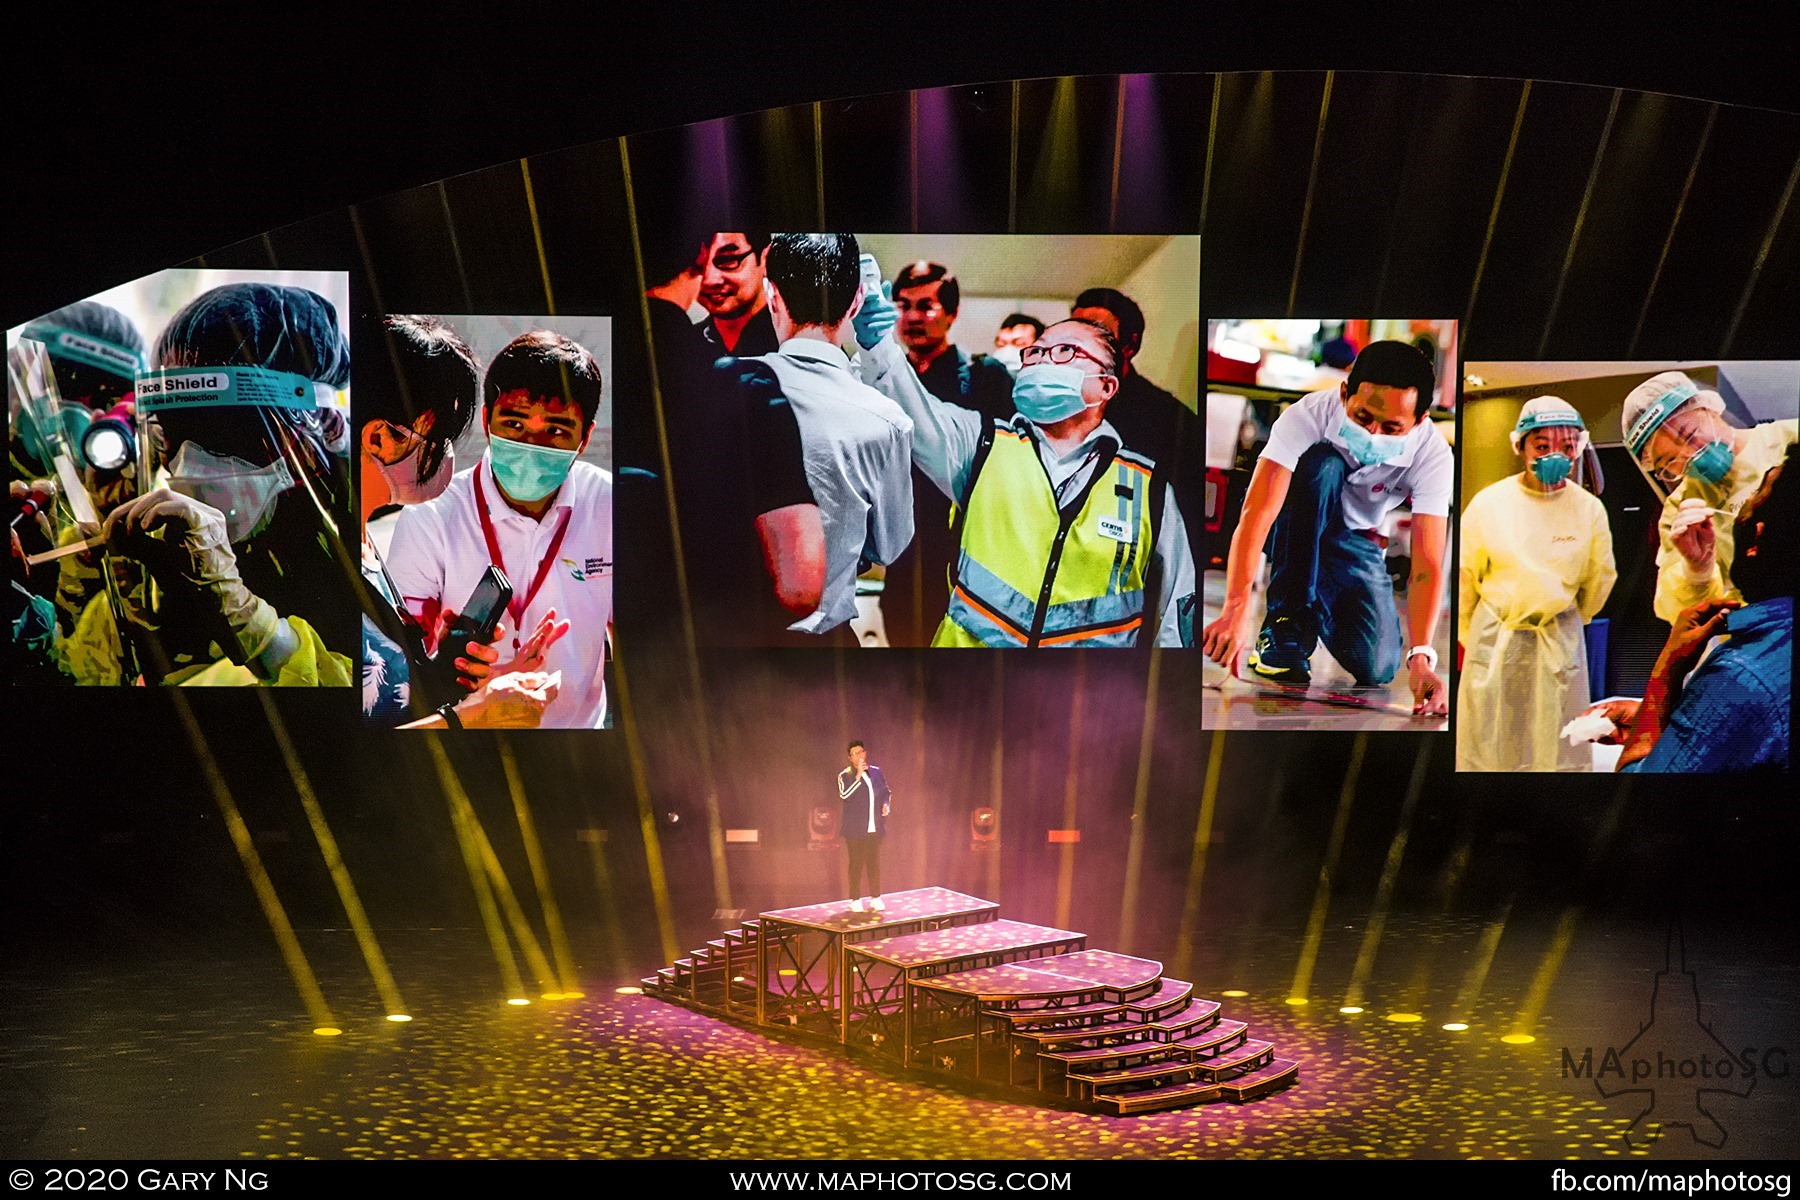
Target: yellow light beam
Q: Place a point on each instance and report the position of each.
(304, 980)
(1545, 977)
(1312, 183)
(1762, 256)
(818, 122)
(703, 726)
(640, 788)
(1140, 807)
(1390, 873)
(1487, 239)
(537, 236)
(1012, 170)
(1712, 115)
(385, 986)
(1065, 872)
(1190, 908)
(540, 875)
(1055, 178)
(1315, 923)
(997, 777)
(1538, 994)
(1476, 979)
(1587, 197)
(509, 902)
(609, 899)
(1118, 154)
(455, 246)
(457, 801)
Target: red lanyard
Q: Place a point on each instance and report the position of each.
(518, 604)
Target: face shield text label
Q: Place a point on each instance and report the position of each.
(219, 387)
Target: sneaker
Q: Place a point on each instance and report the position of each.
(876, 904)
(856, 905)
(1281, 654)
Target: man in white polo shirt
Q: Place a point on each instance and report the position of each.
(532, 508)
(1337, 462)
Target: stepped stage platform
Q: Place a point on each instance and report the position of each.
(940, 982)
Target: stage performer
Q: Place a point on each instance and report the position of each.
(866, 796)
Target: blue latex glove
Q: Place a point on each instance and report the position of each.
(877, 316)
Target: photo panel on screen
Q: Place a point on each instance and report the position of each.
(178, 470)
(486, 493)
(1325, 566)
(1625, 566)
(934, 440)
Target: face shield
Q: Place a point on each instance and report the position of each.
(1678, 433)
(44, 431)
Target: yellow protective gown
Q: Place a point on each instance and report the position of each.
(1677, 587)
(94, 657)
(1534, 568)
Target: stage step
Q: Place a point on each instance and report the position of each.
(1023, 1020)
(1204, 1043)
(1272, 1076)
(1123, 1037)
(1240, 1060)
(1167, 1000)
(1190, 1030)
(1158, 1099)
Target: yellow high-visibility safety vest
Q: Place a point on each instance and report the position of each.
(1029, 574)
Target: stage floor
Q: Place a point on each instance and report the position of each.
(211, 1057)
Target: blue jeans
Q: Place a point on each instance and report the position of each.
(1332, 580)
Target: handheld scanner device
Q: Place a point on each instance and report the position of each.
(475, 623)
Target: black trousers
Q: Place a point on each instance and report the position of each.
(865, 857)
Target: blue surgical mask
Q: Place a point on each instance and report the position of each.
(1370, 449)
(1712, 464)
(1552, 469)
(528, 472)
(1046, 393)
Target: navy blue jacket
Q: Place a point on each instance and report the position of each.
(857, 796)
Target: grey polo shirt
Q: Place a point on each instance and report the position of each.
(857, 446)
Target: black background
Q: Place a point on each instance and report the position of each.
(141, 139)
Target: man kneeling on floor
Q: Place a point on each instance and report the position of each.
(1337, 462)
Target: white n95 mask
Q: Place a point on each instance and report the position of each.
(244, 492)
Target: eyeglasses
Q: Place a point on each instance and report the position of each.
(1060, 353)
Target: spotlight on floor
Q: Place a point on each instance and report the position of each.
(328, 1031)
(1350, 1010)
(1234, 993)
(629, 991)
(1405, 1018)
(518, 1001)
(399, 1018)
(1518, 1039)
(1298, 1001)
(1456, 1026)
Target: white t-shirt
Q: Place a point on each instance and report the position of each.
(1424, 472)
(439, 554)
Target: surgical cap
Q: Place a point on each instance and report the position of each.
(258, 325)
(1654, 394)
(91, 319)
(1544, 412)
